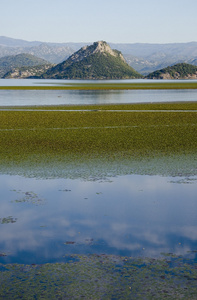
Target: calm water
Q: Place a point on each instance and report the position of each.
(43, 220)
(36, 97)
(46, 214)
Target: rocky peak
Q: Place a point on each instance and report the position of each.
(98, 47)
(103, 47)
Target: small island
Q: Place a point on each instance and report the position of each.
(178, 71)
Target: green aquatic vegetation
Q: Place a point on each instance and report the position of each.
(110, 86)
(96, 107)
(185, 181)
(108, 133)
(8, 220)
(101, 277)
(101, 131)
(29, 197)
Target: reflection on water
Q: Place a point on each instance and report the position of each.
(53, 205)
(109, 210)
(77, 97)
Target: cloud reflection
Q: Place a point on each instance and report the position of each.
(133, 215)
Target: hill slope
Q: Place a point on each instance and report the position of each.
(178, 71)
(97, 61)
(52, 53)
(7, 63)
(27, 72)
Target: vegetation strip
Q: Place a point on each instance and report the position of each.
(109, 86)
(168, 106)
(104, 110)
(36, 133)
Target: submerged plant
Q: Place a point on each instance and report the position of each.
(101, 277)
(8, 220)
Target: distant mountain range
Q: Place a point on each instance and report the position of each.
(97, 61)
(54, 53)
(144, 58)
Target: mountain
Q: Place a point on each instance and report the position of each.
(7, 63)
(27, 72)
(147, 50)
(143, 57)
(10, 42)
(193, 61)
(178, 71)
(97, 61)
(52, 52)
(146, 58)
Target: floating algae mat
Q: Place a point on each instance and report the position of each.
(98, 202)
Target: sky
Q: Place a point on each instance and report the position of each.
(115, 21)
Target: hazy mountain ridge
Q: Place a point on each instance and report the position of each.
(11, 42)
(143, 57)
(54, 53)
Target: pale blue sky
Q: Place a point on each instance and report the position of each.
(118, 21)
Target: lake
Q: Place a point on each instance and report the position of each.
(78, 97)
(54, 207)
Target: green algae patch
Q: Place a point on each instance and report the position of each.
(101, 277)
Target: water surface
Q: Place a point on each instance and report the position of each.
(77, 97)
(53, 207)
(42, 220)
